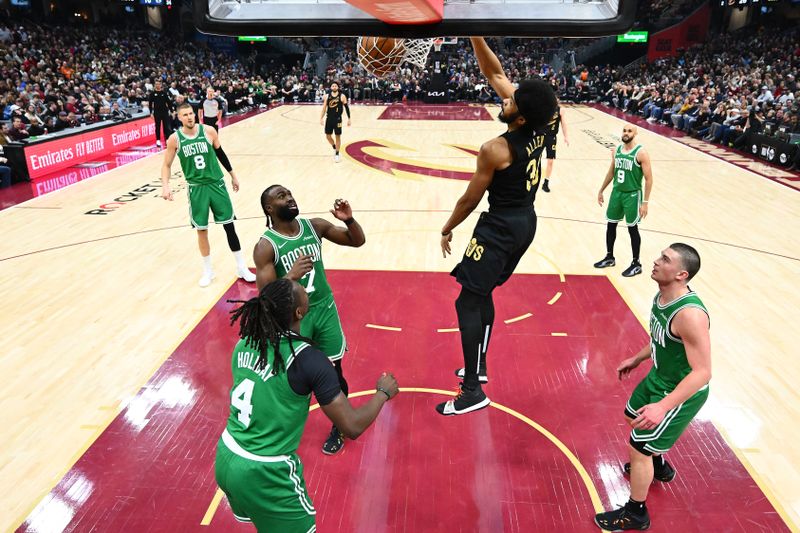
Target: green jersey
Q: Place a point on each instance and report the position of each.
(198, 159)
(628, 172)
(288, 249)
(267, 417)
(670, 365)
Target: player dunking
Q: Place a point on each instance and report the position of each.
(198, 149)
(291, 248)
(508, 167)
(551, 141)
(672, 393)
(332, 105)
(629, 164)
(274, 373)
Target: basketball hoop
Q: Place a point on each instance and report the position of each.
(437, 44)
(417, 51)
(383, 55)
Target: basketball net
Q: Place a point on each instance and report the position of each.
(415, 51)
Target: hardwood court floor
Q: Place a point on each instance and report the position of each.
(95, 303)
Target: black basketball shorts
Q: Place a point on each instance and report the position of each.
(333, 125)
(550, 146)
(500, 239)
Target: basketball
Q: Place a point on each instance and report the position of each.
(381, 56)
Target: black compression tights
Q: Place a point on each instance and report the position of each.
(636, 241)
(233, 239)
(342, 382)
(475, 319)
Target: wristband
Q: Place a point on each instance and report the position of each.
(645, 201)
(388, 396)
(349, 221)
(446, 233)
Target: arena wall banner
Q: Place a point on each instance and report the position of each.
(690, 31)
(46, 157)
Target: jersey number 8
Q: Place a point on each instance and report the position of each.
(199, 162)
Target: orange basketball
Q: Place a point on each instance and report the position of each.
(381, 55)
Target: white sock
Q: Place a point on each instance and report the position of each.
(240, 260)
(207, 264)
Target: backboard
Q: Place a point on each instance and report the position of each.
(332, 18)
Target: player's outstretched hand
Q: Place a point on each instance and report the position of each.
(642, 211)
(301, 267)
(166, 194)
(626, 366)
(342, 210)
(388, 383)
(446, 239)
(600, 199)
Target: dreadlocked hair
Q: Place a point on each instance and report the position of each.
(267, 318)
(264, 199)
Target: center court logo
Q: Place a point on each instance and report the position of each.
(374, 154)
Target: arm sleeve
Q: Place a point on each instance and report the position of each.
(312, 371)
(347, 109)
(223, 158)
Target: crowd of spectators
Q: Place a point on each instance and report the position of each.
(657, 14)
(55, 79)
(722, 91)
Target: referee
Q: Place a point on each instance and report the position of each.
(161, 109)
(211, 111)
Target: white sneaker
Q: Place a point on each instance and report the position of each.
(246, 275)
(158, 144)
(337, 158)
(205, 281)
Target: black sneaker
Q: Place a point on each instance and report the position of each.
(635, 268)
(546, 186)
(465, 402)
(607, 261)
(664, 474)
(482, 377)
(622, 520)
(334, 443)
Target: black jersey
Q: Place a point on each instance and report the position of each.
(554, 124)
(334, 109)
(515, 185)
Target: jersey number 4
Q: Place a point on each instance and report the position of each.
(241, 399)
